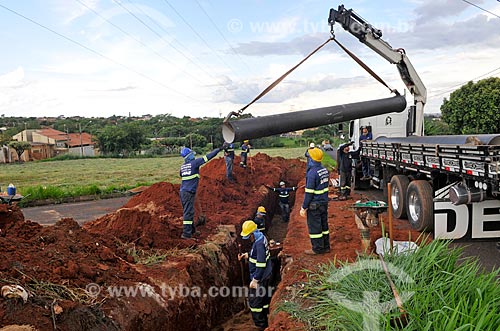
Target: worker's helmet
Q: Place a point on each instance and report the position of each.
(311, 145)
(316, 154)
(246, 141)
(282, 183)
(261, 209)
(185, 151)
(247, 228)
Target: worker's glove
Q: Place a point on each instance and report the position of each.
(303, 212)
(254, 283)
(242, 256)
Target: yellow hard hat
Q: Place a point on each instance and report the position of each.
(247, 228)
(246, 141)
(261, 209)
(316, 154)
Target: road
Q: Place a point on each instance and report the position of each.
(80, 211)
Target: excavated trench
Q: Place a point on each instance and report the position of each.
(193, 286)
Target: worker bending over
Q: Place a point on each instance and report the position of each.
(260, 266)
(261, 219)
(190, 175)
(315, 204)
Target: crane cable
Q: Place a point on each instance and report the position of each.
(276, 82)
(364, 66)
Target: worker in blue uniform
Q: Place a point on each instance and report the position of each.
(344, 166)
(245, 149)
(229, 159)
(261, 219)
(284, 199)
(260, 266)
(315, 204)
(190, 175)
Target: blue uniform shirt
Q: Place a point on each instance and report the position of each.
(259, 259)
(284, 193)
(245, 149)
(316, 185)
(229, 151)
(190, 171)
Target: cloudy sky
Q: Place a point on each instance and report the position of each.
(209, 57)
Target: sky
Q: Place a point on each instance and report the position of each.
(206, 58)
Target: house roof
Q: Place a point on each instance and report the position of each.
(52, 133)
(74, 139)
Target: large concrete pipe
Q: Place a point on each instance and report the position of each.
(250, 128)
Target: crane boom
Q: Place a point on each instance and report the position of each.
(372, 37)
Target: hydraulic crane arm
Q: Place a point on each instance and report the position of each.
(372, 37)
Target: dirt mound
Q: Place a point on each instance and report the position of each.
(153, 218)
(58, 262)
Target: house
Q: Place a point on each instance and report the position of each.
(48, 142)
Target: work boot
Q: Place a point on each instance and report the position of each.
(185, 237)
(202, 220)
(310, 252)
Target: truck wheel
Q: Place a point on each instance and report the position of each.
(387, 174)
(399, 186)
(420, 207)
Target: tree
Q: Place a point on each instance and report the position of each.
(474, 108)
(436, 127)
(20, 147)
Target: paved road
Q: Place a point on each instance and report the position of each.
(80, 211)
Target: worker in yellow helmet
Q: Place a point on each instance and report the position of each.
(315, 204)
(260, 265)
(245, 150)
(261, 219)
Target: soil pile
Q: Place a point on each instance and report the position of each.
(56, 263)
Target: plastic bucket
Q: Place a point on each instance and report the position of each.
(11, 190)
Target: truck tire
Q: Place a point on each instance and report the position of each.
(399, 186)
(387, 174)
(420, 206)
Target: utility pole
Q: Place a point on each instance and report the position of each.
(81, 140)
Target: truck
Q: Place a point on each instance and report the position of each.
(446, 184)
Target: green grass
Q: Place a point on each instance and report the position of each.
(60, 179)
(443, 292)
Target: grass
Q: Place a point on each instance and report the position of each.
(61, 179)
(443, 292)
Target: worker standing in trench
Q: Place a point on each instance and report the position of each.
(190, 175)
(229, 159)
(261, 219)
(284, 195)
(261, 270)
(345, 169)
(315, 204)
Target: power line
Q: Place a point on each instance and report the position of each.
(221, 34)
(97, 53)
(161, 37)
(485, 10)
(452, 88)
(137, 40)
(199, 36)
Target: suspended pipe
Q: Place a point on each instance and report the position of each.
(251, 128)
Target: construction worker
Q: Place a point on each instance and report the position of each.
(306, 154)
(345, 169)
(245, 150)
(315, 204)
(261, 270)
(260, 219)
(229, 158)
(284, 203)
(190, 175)
(365, 162)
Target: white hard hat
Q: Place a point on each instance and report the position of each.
(282, 183)
(311, 145)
